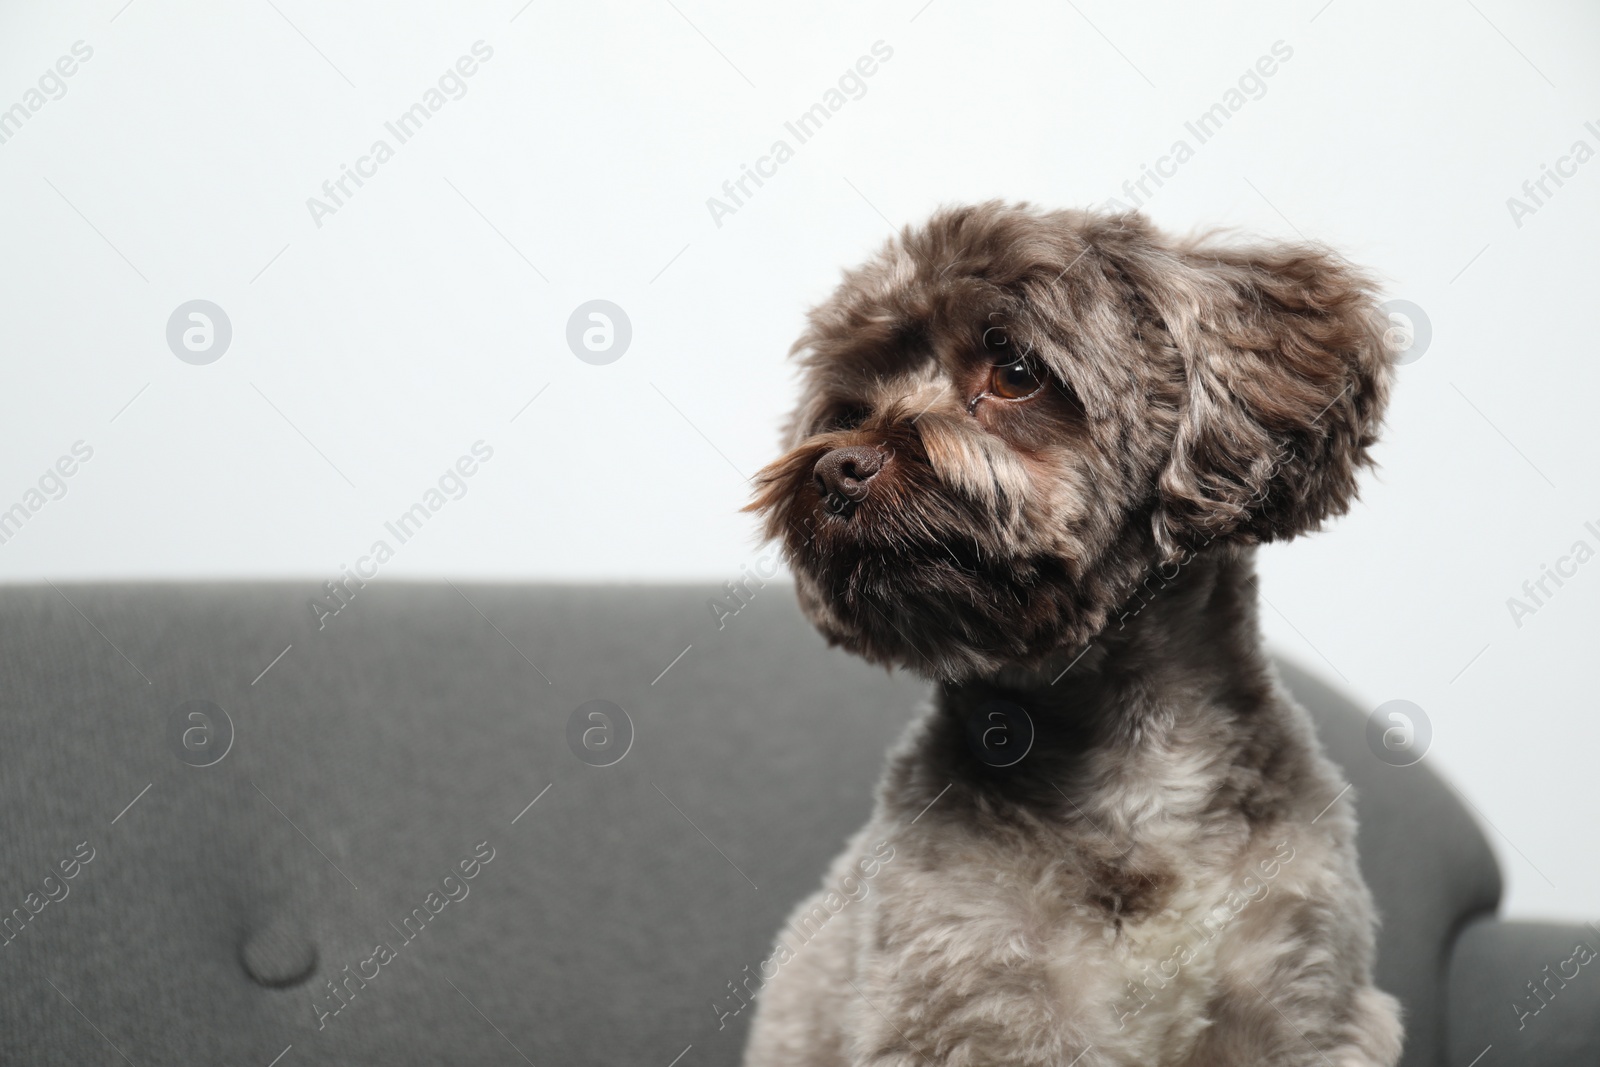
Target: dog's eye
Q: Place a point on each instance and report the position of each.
(1014, 381)
(847, 417)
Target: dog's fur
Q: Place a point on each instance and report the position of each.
(1168, 876)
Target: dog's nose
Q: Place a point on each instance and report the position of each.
(845, 472)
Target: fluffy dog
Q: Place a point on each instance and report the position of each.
(1031, 459)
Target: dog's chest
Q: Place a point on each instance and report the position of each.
(1082, 948)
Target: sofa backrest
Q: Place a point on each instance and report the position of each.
(392, 836)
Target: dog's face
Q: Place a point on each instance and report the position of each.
(1008, 418)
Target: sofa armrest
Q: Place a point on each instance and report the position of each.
(1528, 993)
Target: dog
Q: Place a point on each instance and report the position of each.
(1032, 457)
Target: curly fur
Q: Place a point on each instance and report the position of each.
(1168, 876)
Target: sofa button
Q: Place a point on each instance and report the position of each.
(279, 954)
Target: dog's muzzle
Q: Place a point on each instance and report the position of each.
(843, 476)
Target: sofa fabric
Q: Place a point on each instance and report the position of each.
(1525, 992)
(221, 801)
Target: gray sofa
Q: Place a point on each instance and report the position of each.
(216, 807)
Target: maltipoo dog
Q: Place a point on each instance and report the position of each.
(1032, 457)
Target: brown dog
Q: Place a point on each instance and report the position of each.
(1031, 458)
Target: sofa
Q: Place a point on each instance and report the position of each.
(444, 823)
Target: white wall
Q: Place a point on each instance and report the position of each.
(379, 346)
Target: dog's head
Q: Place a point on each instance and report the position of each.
(1010, 417)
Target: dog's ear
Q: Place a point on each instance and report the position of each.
(1286, 380)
